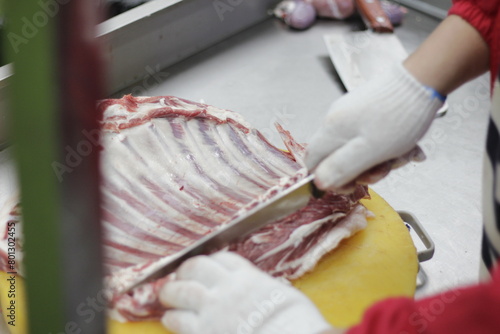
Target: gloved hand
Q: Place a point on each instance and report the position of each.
(225, 294)
(375, 126)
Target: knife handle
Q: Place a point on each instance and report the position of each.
(374, 16)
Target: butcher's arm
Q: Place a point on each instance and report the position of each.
(452, 55)
(379, 123)
(472, 309)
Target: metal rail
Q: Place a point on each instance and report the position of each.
(146, 39)
(425, 8)
(143, 41)
(5, 74)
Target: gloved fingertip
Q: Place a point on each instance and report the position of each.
(179, 321)
(327, 179)
(324, 184)
(418, 155)
(342, 190)
(191, 264)
(230, 260)
(164, 295)
(169, 320)
(347, 189)
(319, 147)
(311, 160)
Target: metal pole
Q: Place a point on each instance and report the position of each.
(81, 86)
(52, 96)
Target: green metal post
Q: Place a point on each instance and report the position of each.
(29, 41)
(52, 107)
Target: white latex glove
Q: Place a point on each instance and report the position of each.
(225, 294)
(376, 125)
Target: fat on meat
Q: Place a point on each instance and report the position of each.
(174, 170)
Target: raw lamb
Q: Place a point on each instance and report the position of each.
(175, 170)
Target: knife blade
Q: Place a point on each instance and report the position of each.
(286, 202)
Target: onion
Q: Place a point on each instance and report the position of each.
(296, 14)
(394, 12)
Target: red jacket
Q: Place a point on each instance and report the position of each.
(484, 15)
(471, 310)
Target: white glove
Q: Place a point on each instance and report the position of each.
(378, 122)
(225, 294)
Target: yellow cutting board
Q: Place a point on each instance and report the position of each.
(376, 263)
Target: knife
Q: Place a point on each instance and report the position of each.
(374, 16)
(285, 203)
(359, 56)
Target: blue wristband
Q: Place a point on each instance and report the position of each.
(436, 94)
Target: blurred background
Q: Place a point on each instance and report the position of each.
(115, 7)
(2, 58)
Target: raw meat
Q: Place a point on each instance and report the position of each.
(292, 246)
(175, 170)
(191, 168)
(334, 9)
(11, 237)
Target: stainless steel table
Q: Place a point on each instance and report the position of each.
(271, 74)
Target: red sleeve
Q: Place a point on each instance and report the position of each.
(474, 309)
(480, 14)
(484, 15)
